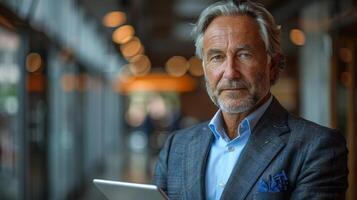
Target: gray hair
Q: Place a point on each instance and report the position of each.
(269, 30)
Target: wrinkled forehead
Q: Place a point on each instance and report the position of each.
(241, 29)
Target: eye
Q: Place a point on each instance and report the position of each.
(216, 57)
(244, 55)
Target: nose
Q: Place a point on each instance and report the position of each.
(231, 68)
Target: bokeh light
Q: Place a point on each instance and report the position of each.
(195, 66)
(131, 48)
(114, 19)
(297, 37)
(123, 34)
(177, 66)
(33, 62)
(140, 65)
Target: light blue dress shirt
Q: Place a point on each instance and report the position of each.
(224, 152)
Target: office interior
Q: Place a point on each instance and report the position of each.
(91, 89)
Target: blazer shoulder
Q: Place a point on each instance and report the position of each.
(306, 129)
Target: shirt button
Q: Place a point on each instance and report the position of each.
(230, 149)
(221, 184)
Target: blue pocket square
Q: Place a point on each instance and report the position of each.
(277, 183)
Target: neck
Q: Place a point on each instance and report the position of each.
(232, 120)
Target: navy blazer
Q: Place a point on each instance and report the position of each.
(314, 159)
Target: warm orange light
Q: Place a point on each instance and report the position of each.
(141, 52)
(36, 83)
(156, 83)
(131, 48)
(114, 19)
(297, 37)
(195, 66)
(123, 34)
(140, 65)
(33, 62)
(177, 66)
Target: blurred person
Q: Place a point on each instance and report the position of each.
(252, 148)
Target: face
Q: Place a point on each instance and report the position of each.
(236, 64)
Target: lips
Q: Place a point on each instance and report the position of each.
(231, 89)
(240, 88)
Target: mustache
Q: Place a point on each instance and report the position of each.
(232, 84)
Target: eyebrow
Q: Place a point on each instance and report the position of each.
(238, 48)
(243, 47)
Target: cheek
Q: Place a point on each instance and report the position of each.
(262, 79)
(213, 75)
(257, 77)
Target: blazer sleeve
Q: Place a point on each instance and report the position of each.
(161, 169)
(324, 171)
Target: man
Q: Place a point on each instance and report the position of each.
(252, 148)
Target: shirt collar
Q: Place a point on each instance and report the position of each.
(249, 122)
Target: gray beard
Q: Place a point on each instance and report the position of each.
(248, 103)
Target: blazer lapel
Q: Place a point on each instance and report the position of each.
(262, 147)
(195, 161)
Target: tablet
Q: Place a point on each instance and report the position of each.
(116, 190)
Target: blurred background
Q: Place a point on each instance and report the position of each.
(91, 88)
